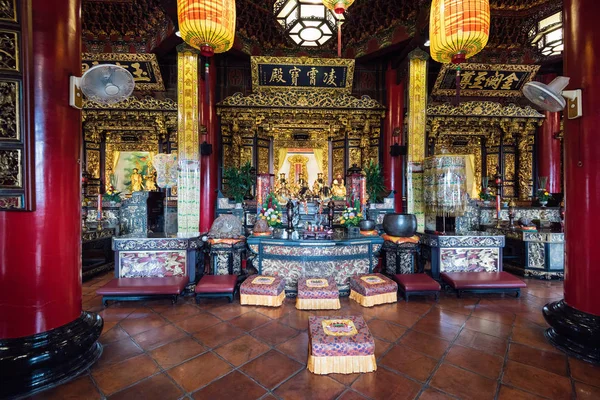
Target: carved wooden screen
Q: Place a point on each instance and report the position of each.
(16, 143)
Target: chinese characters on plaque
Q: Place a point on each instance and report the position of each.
(143, 67)
(301, 73)
(485, 80)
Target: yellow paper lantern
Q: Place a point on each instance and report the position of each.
(207, 25)
(338, 6)
(458, 29)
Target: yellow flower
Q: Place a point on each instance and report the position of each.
(360, 215)
(342, 221)
(546, 193)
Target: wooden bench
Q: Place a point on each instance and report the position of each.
(135, 289)
(411, 284)
(483, 282)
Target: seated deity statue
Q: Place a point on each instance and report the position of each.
(304, 190)
(318, 185)
(338, 190)
(150, 183)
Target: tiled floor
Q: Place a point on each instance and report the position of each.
(489, 347)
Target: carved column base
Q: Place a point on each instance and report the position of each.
(35, 363)
(575, 332)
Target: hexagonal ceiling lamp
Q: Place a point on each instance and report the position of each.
(547, 35)
(307, 22)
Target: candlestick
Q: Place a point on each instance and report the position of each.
(498, 211)
(330, 213)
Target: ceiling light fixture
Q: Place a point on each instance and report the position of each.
(307, 22)
(178, 33)
(427, 43)
(547, 35)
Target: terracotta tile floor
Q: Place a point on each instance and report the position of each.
(489, 347)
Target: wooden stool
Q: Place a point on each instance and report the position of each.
(340, 345)
(260, 290)
(410, 284)
(317, 294)
(371, 289)
(211, 286)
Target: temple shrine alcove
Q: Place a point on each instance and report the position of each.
(498, 138)
(124, 137)
(306, 132)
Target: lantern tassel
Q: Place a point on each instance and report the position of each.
(339, 26)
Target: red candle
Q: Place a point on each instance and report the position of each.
(498, 206)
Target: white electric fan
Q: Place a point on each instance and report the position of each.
(551, 97)
(104, 84)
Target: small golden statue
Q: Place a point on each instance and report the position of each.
(150, 184)
(338, 190)
(136, 181)
(318, 185)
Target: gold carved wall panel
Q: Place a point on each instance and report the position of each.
(11, 173)
(93, 163)
(9, 51)
(10, 129)
(263, 160)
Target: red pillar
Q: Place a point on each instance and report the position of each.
(575, 321)
(392, 166)
(549, 147)
(42, 326)
(209, 164)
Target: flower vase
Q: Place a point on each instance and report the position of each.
(486, 202)
(543, 203)
(353, 232)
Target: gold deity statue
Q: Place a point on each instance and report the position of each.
(318, 185)
(136, 181)
(150, 183)
(338, 190)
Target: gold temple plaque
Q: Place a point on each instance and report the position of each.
(290, 73)
(484, 80)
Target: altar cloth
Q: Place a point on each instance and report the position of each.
(340, 345)
(259, 290)
(317, 294)
(372, 289)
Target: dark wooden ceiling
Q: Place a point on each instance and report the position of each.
(371, 26)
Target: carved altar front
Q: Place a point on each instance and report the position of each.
(501, 138)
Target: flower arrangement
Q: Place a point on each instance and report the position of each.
(270, 211)
(486, 194)
(351, 216)
(543, 195)
(111, 193)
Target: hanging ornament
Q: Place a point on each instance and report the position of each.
(458, 29)
(207, 25)
(339, 7)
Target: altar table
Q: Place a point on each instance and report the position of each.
(315, 258)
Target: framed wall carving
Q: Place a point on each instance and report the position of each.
(17, 178)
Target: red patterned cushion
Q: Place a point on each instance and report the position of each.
(482, 280)
(372, 284)
(169, 285)
(216, 284)
(416, 282)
